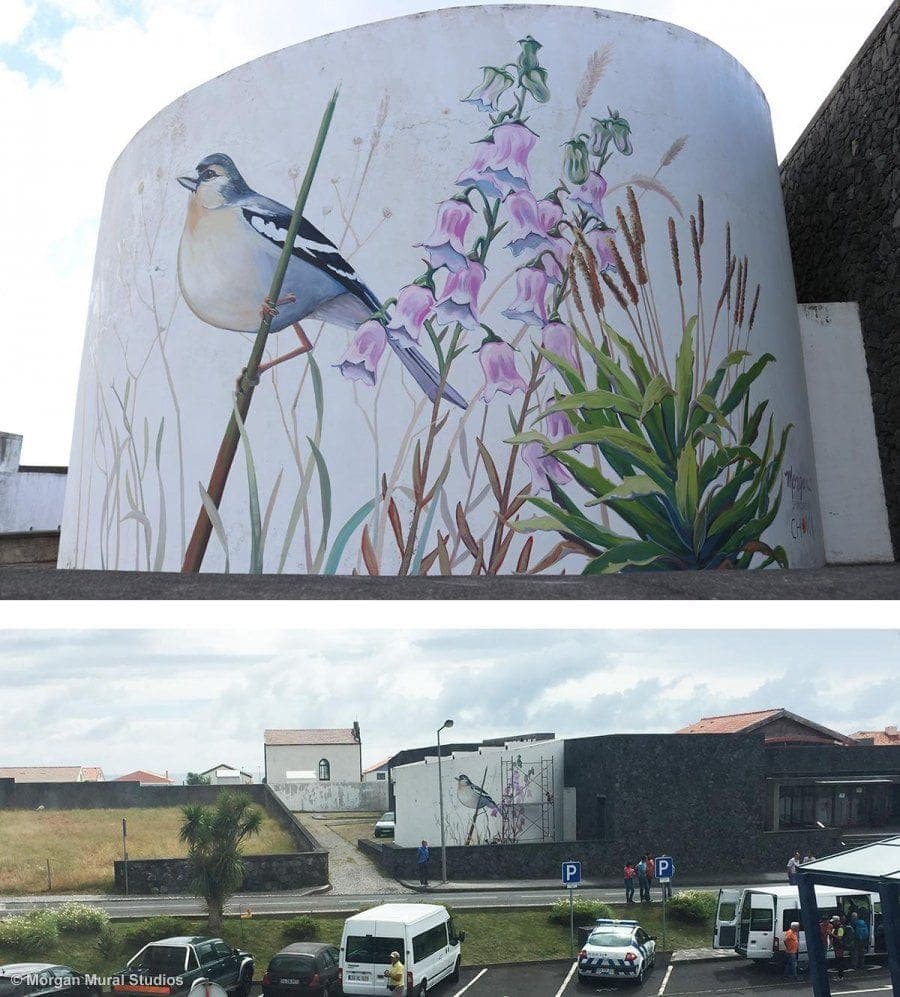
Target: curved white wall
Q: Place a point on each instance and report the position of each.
(157, 380)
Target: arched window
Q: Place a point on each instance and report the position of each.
(324, 770)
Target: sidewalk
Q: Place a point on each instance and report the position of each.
(503, 885)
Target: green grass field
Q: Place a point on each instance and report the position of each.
(492, 936)
(83, 844)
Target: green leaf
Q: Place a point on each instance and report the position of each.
(611, 370)
(684, 377)
(686, 484)
(569, 373)
(256, 551)
(578, 525)
(635, 553)
(711, 388)
(657, 389)
(599, 398)
(344, 534)
(634, 486)
(743, 384)
(217, 524)
(751, 425)
(710, 408)
(639, 453)
(590, 479)
(325, 492)
(635, 361)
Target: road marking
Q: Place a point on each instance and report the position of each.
(876, 990)
(565, 982)
(665, 981)
(471, 982)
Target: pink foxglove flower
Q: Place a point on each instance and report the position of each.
(500, 165)
(559, 425)
(529, 305)
(590, 194)
(556, 260)
(414, 304)
(360, 361)
(498, 361)
(459, 300)
(558, 338)
(600, 240)
(445, 245)
(530, 221)
(544, 468)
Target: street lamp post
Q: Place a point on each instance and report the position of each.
(447, 724)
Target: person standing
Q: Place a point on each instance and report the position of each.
(422, 857)
(651, 872)
(643, 884)
(837, 944)
(395, 973)
(826, 930)
(791, 948)
(849, 941)
(861, 929)
(630, 874)
(793, 863)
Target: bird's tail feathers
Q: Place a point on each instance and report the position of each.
(424, 374)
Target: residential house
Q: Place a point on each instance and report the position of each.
(145, 778)
(51, 773)
(313, 755)
(227, 775)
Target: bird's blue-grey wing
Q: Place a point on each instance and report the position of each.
(271, 220)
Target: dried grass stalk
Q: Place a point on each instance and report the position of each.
(573, 284)
(634, 213)
(753, 308)
(634, 246)
(588, 267)
(593, 73)
(673, 152)
(616, 293)
(695, 245)
(673, 249)
(624, 275)
(701, 220)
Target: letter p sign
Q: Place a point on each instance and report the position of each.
(571, 873)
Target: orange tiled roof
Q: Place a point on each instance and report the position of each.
(41, 773)
(319, 735)
(729, 723)
(890, 735)
(141, 776)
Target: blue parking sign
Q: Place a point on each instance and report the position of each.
(571, 873)
(665, 867)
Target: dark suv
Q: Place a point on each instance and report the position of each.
(175, 965)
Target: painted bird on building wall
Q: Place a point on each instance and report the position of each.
(473, 796)
(230, 246)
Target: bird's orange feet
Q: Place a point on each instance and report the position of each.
(269, 308)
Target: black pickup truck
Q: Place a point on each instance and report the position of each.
(175, 966)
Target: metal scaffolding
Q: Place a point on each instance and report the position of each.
(527, 807)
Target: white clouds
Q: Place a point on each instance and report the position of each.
(183, 700)
(17, 14)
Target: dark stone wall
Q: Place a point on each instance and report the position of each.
(841, 185)
(789, 760)
(262, 874)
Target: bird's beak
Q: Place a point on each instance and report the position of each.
(189, 182)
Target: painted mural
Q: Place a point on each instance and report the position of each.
(572, 380)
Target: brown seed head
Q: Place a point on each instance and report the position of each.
(624, 275)
(673, 249)
(753, 308)
(616, 293)
(634, 210)
(695, 244)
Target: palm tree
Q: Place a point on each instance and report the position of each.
(214, 836)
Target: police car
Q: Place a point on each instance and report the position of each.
(616, 949)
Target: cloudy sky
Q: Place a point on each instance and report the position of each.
(183, 700)
(79, 77)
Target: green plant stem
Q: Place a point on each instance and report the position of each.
(193, 558)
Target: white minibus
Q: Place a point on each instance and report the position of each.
(423, 934)
(752, 920)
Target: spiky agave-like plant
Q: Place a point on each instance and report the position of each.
(691, 486)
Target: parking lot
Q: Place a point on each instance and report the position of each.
(681, 979)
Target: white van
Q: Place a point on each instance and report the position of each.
(752, 920)
(423, 934)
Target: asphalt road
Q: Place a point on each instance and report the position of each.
(326, 903)
(734, 977)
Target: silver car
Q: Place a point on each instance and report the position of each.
(616, 950)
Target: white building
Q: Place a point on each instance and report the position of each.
(313, 755)
(497, 793)
(226, 775)
(377, 772)
(31, 498)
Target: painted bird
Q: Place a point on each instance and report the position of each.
(473, 796)
(229, 248)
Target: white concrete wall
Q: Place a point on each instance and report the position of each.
(848, 469)
(378, 775)
(30, 498)
(416, 794)
(332, 797)
(283, 758)
(404, 81)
